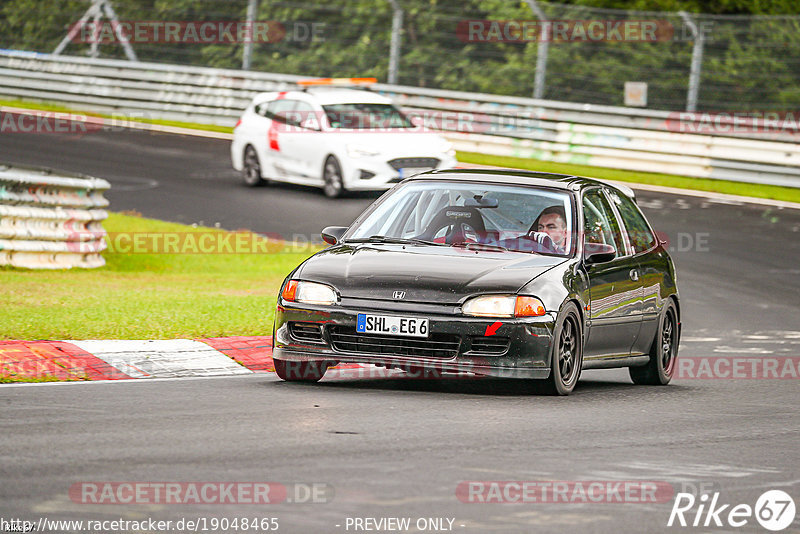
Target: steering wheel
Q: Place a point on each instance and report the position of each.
(461, 219)
(533, 242)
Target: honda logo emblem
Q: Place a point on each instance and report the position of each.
(399, 295)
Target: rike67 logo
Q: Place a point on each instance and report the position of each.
(774, 510)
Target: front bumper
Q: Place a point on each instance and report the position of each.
(375, 173)
(527, 354)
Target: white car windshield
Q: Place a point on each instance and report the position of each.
(366, 117)
(474, 215)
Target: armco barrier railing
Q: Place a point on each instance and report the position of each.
(51, 220)
(616, 137)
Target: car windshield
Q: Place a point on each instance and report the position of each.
(366, 117)
(490, 217)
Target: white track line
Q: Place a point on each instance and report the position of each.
(149, 381)
(163, 358)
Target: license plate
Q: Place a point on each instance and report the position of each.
(393, 326)
(405, 172)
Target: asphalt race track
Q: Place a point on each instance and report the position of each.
(393, 447)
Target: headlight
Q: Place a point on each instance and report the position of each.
(503, 306)
(448, 149)
(308, 293)
(361, 151)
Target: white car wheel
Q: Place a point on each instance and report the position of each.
(251, 171)
(332, 176)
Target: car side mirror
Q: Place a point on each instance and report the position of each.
(332, 234)
(598, 253)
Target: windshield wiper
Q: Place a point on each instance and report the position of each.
(482, 246)
(390, 239)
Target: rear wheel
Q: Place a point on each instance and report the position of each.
(663, 353)
(300, 371)
(251, 171)
(567, 356)
(332, 176)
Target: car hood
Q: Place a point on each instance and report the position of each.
(435, 274)
(390, 142)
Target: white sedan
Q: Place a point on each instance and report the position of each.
(337, 139)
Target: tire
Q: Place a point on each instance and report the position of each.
(251, 168)
(332, 178)
(300, 371)
(663, 353)
(567, 357)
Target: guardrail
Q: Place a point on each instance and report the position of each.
(51, 220)
(616, 137)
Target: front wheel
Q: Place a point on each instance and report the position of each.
(332, 177)
(567, 356)
(300, 371)
(663, 353)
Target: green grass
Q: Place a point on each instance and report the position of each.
(789, 194)
(147, 296)
(15, 379)
(119, 118)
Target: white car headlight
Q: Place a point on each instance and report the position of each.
(308, 293)
(503, 306)
(448, 149)
(361, 151)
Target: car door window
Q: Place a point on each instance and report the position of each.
(279, 110)
(600, 224)
(639, 233)
(303, 115)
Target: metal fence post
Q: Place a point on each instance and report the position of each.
(697, 61)
(126, 45)
(394, 47)
(252, 8)
(542, 48)
(94, 48)
(95, 12)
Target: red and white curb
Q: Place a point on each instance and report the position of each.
(128, 359)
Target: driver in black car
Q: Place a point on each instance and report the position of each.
(552, 221)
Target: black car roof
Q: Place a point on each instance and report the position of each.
(520, 177)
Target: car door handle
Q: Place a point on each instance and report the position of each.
(634, 275)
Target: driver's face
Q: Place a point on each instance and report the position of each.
(554, 226)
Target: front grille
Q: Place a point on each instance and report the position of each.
(490, 346)
(440, 346)
(414, 163)
(308, 332)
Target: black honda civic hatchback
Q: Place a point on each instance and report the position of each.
(490, 272)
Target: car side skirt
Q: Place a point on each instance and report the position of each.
(616, 361)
